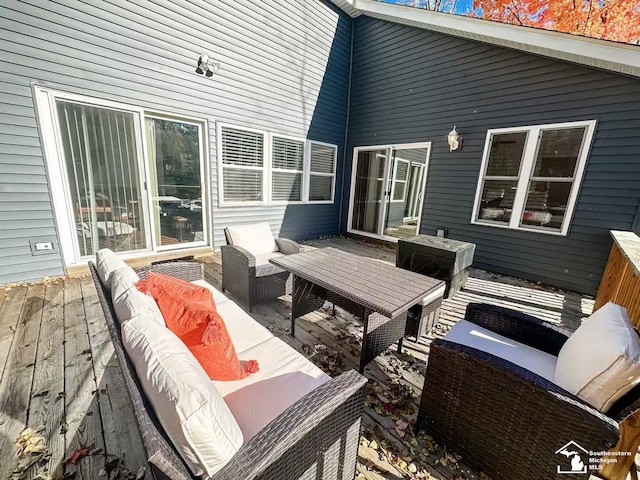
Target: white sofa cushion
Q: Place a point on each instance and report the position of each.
(190, 409)
(128, 301)
(472, 335)
(285, 376)
(218, 296)
(600, 362)
(108, 262)
(256, 239)
(243, 330)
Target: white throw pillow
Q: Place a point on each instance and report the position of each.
(257, 239)
(108, 262)
(192, 412)
(600, 362)
(128, 301)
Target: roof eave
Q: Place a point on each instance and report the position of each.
(616, 57)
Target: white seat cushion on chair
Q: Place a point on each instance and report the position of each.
(192, 412)
(472, 335)
(256, 239)
(600, 362)
(263, 258)
(437, 294)
(285, 376)
(129, 302)
(108, 262)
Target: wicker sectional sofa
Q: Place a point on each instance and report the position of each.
(297, 423)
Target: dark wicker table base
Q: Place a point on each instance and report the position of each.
(380, 332)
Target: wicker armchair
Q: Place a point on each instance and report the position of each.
(316, 438)
(504, 419)
(251, 281)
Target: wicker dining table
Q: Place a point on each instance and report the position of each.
(377, 292)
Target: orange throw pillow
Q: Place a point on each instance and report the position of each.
(190, 312)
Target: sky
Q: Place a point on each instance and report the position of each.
(462, 6)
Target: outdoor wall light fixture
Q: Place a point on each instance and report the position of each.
(454, 140)
(207, 66)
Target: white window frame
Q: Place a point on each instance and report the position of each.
(286, 170)
(203, 129)
(267, 169)
(264, 169)
(49, 128)
(395, 181)
(525, 175)
(308, 173)
(386, 181)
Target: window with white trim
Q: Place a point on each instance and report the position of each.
(287, 169)
(530, 176)
(243, 165)
(321, 178)
(258, 167)
(400, 179)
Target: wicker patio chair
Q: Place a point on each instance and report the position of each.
(504, 419)
(316, 438)
(253, 281)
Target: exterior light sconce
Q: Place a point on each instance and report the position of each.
(207, 66)
(454, 140)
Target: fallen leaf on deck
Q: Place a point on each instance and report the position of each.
(76, 455)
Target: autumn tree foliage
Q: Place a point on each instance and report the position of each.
(617, 20)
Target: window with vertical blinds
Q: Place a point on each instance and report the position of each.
(322, 167)
(262, 167)
(243, 165)
(287, 168)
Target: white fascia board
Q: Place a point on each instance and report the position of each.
(347, 6)
(617, 57)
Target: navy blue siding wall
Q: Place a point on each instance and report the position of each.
(411, 85)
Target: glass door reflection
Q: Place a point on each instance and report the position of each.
(176, 172)
(407, 181)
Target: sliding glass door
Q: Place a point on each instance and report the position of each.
(387, 190)
(100, 148)
(122, 178)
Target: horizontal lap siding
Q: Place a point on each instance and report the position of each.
(285, 69)
(411, 85)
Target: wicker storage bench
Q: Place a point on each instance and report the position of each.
(437, 257)
(316, 437)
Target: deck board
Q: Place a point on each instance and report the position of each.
(47, 402)
(15, 392)
(75, 367)
(82, 415)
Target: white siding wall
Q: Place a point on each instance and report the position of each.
(285, 67)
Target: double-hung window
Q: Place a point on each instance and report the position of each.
(321, 178)
(400, 179)
(287, 169)
(242, 165)
(530, 176)
(258, 167)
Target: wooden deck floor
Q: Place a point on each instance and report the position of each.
(58, 371)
